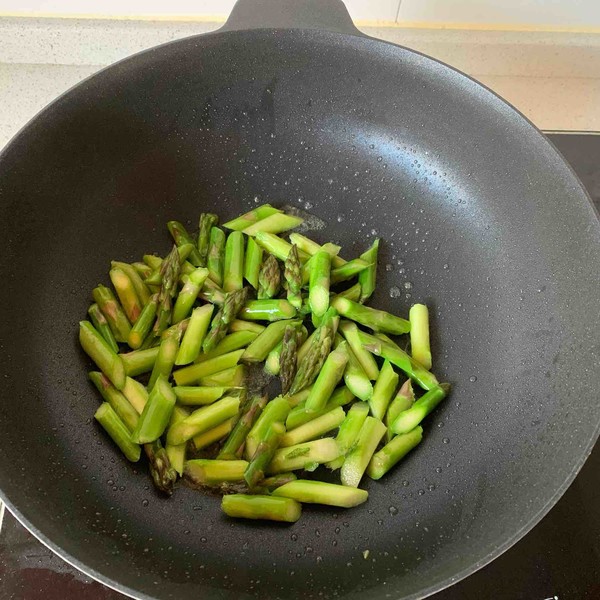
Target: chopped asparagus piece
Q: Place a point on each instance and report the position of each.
(352, 334)
(319, 492)
(206, 438)
(257, 214)
(231, 378)
(193, 373)
(261, 507)
(116, 429)
(194, 335)
(112, 310)
(139, 361)
(298, 457)
(318, 291)
(197, 395)
(156, 414)
(329, 376)
(358, 458)
(188, 294)
(117, 400)
(102, 327)
(264, 454)
(233, 270)
(267, 310)
(206, 472)
(419, 334)
(314, 428)
(377, 320)
(96, 347)
(206, 222)
(349, 431)
(408, 419)
(368, 277)
(234, 341)
(258, 350)
(384, 389)
(393, 452)
(275, 411)
(299, 415)
(275, 223)
(253, 261)
(234, 444)
(216, 255)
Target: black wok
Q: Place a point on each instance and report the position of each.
(482, 220)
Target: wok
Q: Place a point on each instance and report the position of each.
(482, 220)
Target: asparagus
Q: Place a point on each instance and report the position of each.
(206, 222)
(152, 261)
(188, 294)
(211, 473)
(355, 377)
(401, 359)
(232, 377)
(136, 394)
(139, 361)
(193, 373)
(232, 305)
(308, 344)
(351, 332)
(264, 453)
(206, 438)
(272, 362)
(194, 335)
(234, 341)
(102, 327)
(216, 255)
(96, 347)
(377, 320)
(169, 271)
(239, 325)
(197, 395)
(299, 415)
(288, 357)
(203, 419)
(117, 400)
(163, 474)
(318, 291)
(258, 350)
(176, 454)
(269, 278)
(368, 277)
(349, 270)
(182, 237)
(141, 289)
(358, 458)
(319, 492)
(298, 457)
(352, 293)
(267, 310)
(233, 270)
(212, 293)
(292, 273)
(384, 389)
(116, 429)
(113, 312)
(257, 214)
(253, 261)
(419, 334)
(143, 325)
(349, 431)
(156, 414)
(275, 411)
(314, 428)
(393, 452)
(165, 360)
(261, 507)
(329, 376)
(311, 247)
(276, 246)
(298, 398)
(126, 293)
(275, 223)
(275, 481)
(142, 269)
(404, 399)
(410, 418)
(234, 444)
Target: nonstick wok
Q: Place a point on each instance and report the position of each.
(481, 219)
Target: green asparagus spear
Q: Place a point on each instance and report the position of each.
(276, 246)
(194, 335)
(188, 294)
(216, 255)
(116, 429)
(233, 270)
(349, 431)
(288, 358)
(299, 415)
(292, 274)
(193, 373)
(261, 507)
(206, 222)
(269, 278)
(176, 454)
(318, 291)
(314, 429)
(136, 394)
(298, 398)
(358, 458)
(117, 400)
(102, 327)
(142, 269)
(157, 413)
(152, 261)
(307, 345)
(169, 271)
(267, 310)
(139, 361)
(353, 293)
(404, 399)
(419, 334)
(197, 395)
(393, 452)
(311, 247)
(298, 457)
(355, 377)
(319, 492)
(231, 378)
(212, 293)
(264, 454)
(141, 289)
(234, 444)
(113, 312)
(275, 223)
(239, 325)
(368, 277)
(206, 438)
(272, 362)
(401, 359)
(349, 270)
(231, 342)
(275, 481)
(407, 420)
(384, 389)
(128, 297)
(182, 237)
(211, 473)
(257, 214)
(162, 472)
(329, 376)
(253, 261)
(330, 249)
(143, 325)
(232, 306)
(165, 360)
(377, 320)
(365, 358)
(95, 346)
(275, 410)
(258, 350)
(203, 419)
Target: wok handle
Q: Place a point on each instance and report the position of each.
(327, 15)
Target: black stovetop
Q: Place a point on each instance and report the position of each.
(558, 560)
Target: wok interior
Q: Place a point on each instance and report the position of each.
(472, 209)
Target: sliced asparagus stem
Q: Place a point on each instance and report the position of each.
(314, 429)
(318, 291)
(258, 350)
(141, 328)
(176, 454)
(232, 304)
(165, 360)
(152, 261)
(393, 452)
(261, 507)
(162, 472)
(117, 400)
(181, 237)
(194, 335)
(311, 247)
(358, 458)
(330, 249)
(299, 415)
(233, 270)
(253, 262)
(275, 223)
(257, 214)
(136, 394)
(216, 255)
(210, 473)
(112, 310)
(276, 246)
(234, 444)
(368, 277)
(377, 320)
(269, 278)
(116, 429)
(206, 438)
(407, 420)
(156, 414)
(96, 347)
(307, 345)
(239, 325)
(231, 378)
(275, 411)
(352, 334)
(126, 293)
(234, 341)
(264, 453)
(319, 492)
(349, 270)
(404, 399)
(102, 327)
(352, 293)
(197, 395)
(292, 274)
(288, 359)
(349, 431)
(272, 483)
(384, 389)
(267, 310)
(272, 362)
(355, 378)
(212, 293)
(142, 269)
(206, 222)
(139, 362)
(298, 457)
(299, 397)
(329, 376)
(141, 289)
(419, 334)
(193, 373)
(188, 294)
